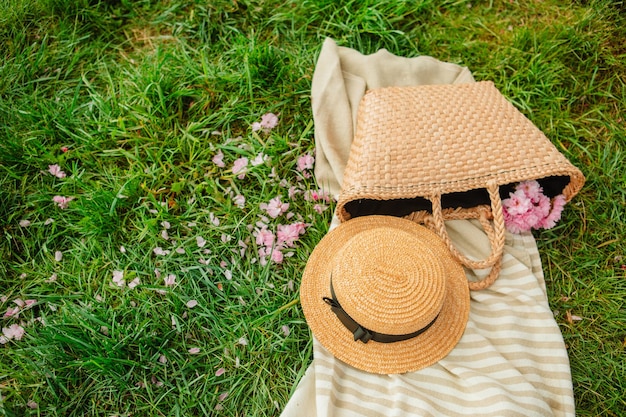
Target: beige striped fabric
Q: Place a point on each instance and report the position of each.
(511, 360)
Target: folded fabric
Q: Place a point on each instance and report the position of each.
(511, 360)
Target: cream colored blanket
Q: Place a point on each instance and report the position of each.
(511, 361)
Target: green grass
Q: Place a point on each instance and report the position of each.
(144, 94)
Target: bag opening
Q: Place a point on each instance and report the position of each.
(552, 186)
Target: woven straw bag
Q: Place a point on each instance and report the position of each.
(432, 153)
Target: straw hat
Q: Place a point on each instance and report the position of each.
(384, 295)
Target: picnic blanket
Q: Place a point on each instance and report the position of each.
(511, 360)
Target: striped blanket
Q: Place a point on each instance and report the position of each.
(511, 360)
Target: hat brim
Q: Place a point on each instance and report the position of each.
(381, 358)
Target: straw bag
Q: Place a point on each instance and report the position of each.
(439, 152)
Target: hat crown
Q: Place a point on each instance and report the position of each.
(391, 281)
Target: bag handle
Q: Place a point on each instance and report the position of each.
(496, 235)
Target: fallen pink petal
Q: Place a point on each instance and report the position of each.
(218, 159)
(14, 331)
(194, 351)
(61, 201)
(305, 162)
(56, 171)
(239, 167)
(220, 372)
(58, 256)
(170, 280)
(191, 303)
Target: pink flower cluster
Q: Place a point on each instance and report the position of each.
(14, 331)
(528, 208)
(272, 245)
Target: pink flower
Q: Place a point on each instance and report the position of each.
(531, 188)
(517, 203)
(305, 162)
(259, 159)
(320, 208)
(170, 280)
(160, 251)
(218, 159)
(277, 256)
(11, 312)
(239, 167)
(14, 331)
(267, 123)
(134, 283)
(239, 200)
(528, 208)
(288, 234)
(264, 237)
(56, 171)
(118, 278)
(555, 215)
(275, 207)
(62, 202)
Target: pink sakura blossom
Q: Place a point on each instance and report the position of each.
(62, 202)
(118, 278)
(264, 236)
(317, 195)
(134, 283)
(14, 331)
(218, 159)
(287, 234)
(528, 208)
(239, 200)
(12, 312)
(170, 280)
(259, 159)
(56, 171)
(277, 256)
(160, 251)
(320, 208)
(267, 123)
(305, 162)
(240, 166)
(275, 207)
(557, 208)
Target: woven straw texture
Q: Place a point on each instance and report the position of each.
(438, 139)
(392, 276)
